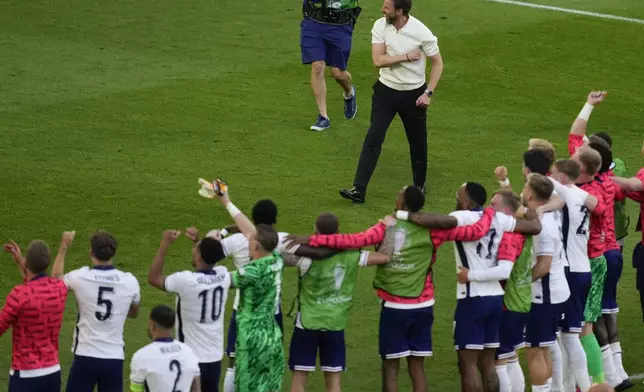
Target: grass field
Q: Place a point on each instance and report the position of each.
(110, 111)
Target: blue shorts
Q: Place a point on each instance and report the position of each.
(48, 383)
(328, 43)
(542, 325)
(87, 373)
(405, 332)
(210, 373)
(511, 333)
(232, 332)
(614, 266)
(477, 321)
(573, 319)
(305, 345)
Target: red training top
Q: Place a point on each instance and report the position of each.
(639, 197)
(376, 235)
(35, 312)
(613, 193)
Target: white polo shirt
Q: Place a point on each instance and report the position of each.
(414, 35)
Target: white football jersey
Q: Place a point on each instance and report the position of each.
(164, 365)
(553, 287)
(236, 246)
(482, 254)
(201, 303)
(575, 225)
(104, 295)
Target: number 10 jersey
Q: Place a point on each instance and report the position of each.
(104, 295)
(201, 303)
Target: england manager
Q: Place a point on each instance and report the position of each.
(400, 46)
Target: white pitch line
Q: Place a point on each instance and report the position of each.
(571, 11)
(638, 376)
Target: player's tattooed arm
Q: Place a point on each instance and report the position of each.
(633, 184)
(156, 278)
(386, 248)
(58, 269)
(432, 220)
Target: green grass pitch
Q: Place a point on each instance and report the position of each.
(111, 110)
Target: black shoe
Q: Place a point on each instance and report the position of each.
(626, 384)
(353, 194)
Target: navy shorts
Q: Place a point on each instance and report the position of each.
(305, 345)
(405, 332)
(511, 333)
(87, 373)
(232, 332)
(328, 43)
(614, 266)
(573, 318)
(48, 383)
(210, 373)
(477, 321)
(543, 322)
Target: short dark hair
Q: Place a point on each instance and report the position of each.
(163, 316)
(38, 257)
(414, 198)
(404, 5)
(510, 199)
(605, 136)
(476, 192)
(570, 168)
(211, 250)
(541, 186)
(591, 160)
(264, 212)
(103, 245)
(266, 236)
(606, 154)
(327, 223)
(537, 161)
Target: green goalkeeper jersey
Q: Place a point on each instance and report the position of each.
(259, 351)
(622, 219)
(518, 287)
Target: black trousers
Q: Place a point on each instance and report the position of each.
(638, 263)
(385, 104)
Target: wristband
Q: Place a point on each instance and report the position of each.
(232, 210)
(223, 232)
(402, 215)
(586, 111)
(505, 183)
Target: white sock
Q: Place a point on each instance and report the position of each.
(350, 95)
(229, 380)
(577, 361)
(568, 377)
(609, 367)
(557, 368)
(616, 349)
(517, 380)
(505, 384)
(541, 388)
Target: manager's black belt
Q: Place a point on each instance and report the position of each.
(329, 15)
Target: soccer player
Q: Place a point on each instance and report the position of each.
(236, 246)
(325, 40)
(259, 353)
(105, 297)
(515, 248)
(201, 301)
(325, 299)
(165, 364)
(576, 229)
(549, 286)
(605, 328)
(479, 293)
(400, 46)
(34, 310)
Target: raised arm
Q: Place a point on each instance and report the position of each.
(156, 278)
(579, 126)
(13, 249)
(241, 221)
(58, 269)
(501, 174)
